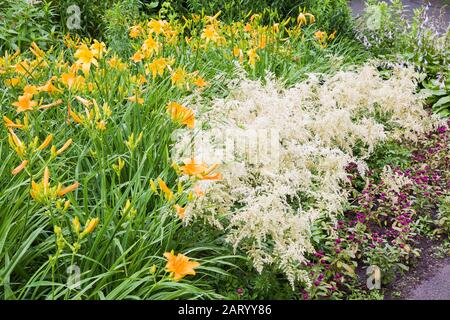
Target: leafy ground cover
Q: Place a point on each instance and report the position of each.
(105, 192)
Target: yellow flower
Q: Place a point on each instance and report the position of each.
(210, 34)
(76, 117)
(53, 104)
(150, 46)
(98, 48)
(180, 266)
(84, 101)
(312, 19)
(115, 62)
(319, 35)
(43, 192)
(332, 36)
(70, 79)
(167, 192)
(137, 57)
(85, 58)
(12, 82)
(157, 67)
(157, 26)
(23, 68)
(181, 114)
(179, 77)
(252, 56)
(262, 41)
(49, 87)
(200, 170)
(135, 31)
(301, 19)
(29, 89)
(238, 53)
(101, 125)
(37, 52)
(152, 186)
(25, 103)
(132, 143)
(20, 167)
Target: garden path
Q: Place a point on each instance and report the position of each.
(435, 288)
(435, 6)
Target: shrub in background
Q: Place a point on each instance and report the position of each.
(21, 23)
(332, 14)
(423, 40)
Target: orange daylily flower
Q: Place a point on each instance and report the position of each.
(30, 89)
(157, 67)
(25, 103)
(135, 31)
(210, 34)
(49, 87)
(179, 77)
(319, 35)
(70, 79)
(181, 114)
(157, 26)
(85, 58)
(200, 170)
(137, 57)
(180, 265)
(180, 211)
(200, 82)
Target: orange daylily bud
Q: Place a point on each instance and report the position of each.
(20, 167)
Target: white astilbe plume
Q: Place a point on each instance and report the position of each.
(268, 201)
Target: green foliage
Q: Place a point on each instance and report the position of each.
(438, 94)
(422, 41)
(390, 153)
(22, 23)
(117, 21)
(331, 14)
(92, 15)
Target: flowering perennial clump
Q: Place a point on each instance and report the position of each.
(268, 206)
